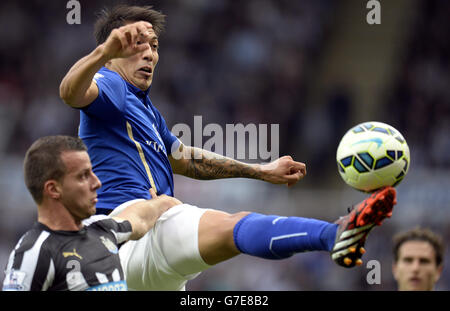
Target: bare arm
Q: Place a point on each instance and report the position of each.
(144, 214)
(77, 88)
(202, 164)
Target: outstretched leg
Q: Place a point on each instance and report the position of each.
(223, 236)
(187, 240)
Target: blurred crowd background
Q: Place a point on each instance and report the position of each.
(315, 67)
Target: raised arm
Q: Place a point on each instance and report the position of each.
(202, 164)
(78, 89)
(144, 214)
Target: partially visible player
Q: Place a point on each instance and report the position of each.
(132, 150)
(418, 259)
(67, 249)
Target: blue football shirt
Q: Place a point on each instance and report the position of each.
(128, 142)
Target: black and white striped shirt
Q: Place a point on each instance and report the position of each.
(88, 259)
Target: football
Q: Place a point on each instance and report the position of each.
(372, 155)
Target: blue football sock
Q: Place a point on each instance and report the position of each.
(276, 237)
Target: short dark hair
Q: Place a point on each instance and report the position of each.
(43, 161)
(116, 17)
(420, 234)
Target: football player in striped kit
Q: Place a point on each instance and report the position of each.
(68, 248)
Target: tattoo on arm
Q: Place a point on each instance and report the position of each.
(206, 165)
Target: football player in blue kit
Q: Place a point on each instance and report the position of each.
(132, 150)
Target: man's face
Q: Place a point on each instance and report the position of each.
(416, 267)
(79, 185)
(139, 68)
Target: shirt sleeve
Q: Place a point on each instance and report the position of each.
(30, 266)
(111, 95)
(121, 230)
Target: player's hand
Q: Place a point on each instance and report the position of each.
(283, 171)
(164, 201)
(128, 40)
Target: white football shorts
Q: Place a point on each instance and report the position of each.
(167, 256)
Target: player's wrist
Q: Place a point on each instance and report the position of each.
(261, 172)
(102, 54)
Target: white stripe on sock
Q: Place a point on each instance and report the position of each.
(286, 236)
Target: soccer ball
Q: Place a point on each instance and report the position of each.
(372, 155)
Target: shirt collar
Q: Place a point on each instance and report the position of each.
(137, 91)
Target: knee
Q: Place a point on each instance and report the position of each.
(233, 219)
(228, 224)
(216, 239)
